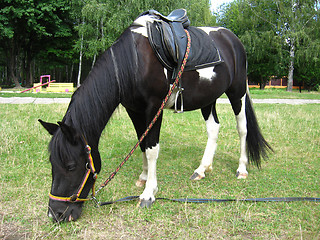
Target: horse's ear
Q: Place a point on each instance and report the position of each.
(69, 132)
(50, 127)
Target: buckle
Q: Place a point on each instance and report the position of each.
(88, 149)
(74, 198)
(95, 200)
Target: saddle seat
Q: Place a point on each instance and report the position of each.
(178, 15)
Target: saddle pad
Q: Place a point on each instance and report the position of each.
(203, 52)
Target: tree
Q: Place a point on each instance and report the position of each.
(258, 34)
(26, 28)
(39, 36)
(279, 28)
(294, 17)
(307, 54)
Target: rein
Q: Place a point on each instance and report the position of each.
(91, 169)
(90, 165)
(165, 100)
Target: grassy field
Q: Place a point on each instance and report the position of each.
(293, 170)
(255, 93)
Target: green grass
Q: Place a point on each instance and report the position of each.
(255, 93)
(282, 93)
(293, 170)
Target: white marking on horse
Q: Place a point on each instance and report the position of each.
(171, 101)
(207, 74)
(151, 184)
(141, 25)
(206, 162)
(242, 131)
(144, 175)
(211, 29)
(165, 72)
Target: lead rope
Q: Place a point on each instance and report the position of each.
(165, 100)
(208, 200)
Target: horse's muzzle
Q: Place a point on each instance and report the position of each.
(66, 212)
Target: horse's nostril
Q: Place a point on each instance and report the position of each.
(57, 216)
(70, 218)
(50, 215)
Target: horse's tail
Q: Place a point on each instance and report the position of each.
(257, 146)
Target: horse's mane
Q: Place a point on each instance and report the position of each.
(111, 79)
(112, 76)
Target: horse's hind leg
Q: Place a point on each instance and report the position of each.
(238, 106)
(210, 116)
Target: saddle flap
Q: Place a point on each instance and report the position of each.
(169, 41)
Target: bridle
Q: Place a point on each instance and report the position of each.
(90, 169)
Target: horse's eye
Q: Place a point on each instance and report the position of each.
(71, 167)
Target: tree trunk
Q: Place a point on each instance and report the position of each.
(71, 73)
(12, 65)
(12, 53)
(28, 71)
(94, 60)
(291, 67)
(80, 62)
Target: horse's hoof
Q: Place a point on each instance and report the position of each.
(146, 203)
(195, 177)
(140, 183)
(209, 169)
(242, 175)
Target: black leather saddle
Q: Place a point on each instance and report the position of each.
(173, 39)
(168, 40)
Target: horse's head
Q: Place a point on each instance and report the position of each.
(73, 172)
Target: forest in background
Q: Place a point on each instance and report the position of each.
(63, 38)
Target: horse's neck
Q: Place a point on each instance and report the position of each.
(93, 103)
(112, 78)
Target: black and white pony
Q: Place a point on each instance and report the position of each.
(130, 74)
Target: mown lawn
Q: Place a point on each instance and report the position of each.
(293, 170)
(255, 93)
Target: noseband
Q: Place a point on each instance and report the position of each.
(90, 169)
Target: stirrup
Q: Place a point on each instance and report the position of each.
(180, 89)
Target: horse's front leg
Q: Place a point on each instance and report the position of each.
(150, 157)
(150, 152)
(151, 186)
